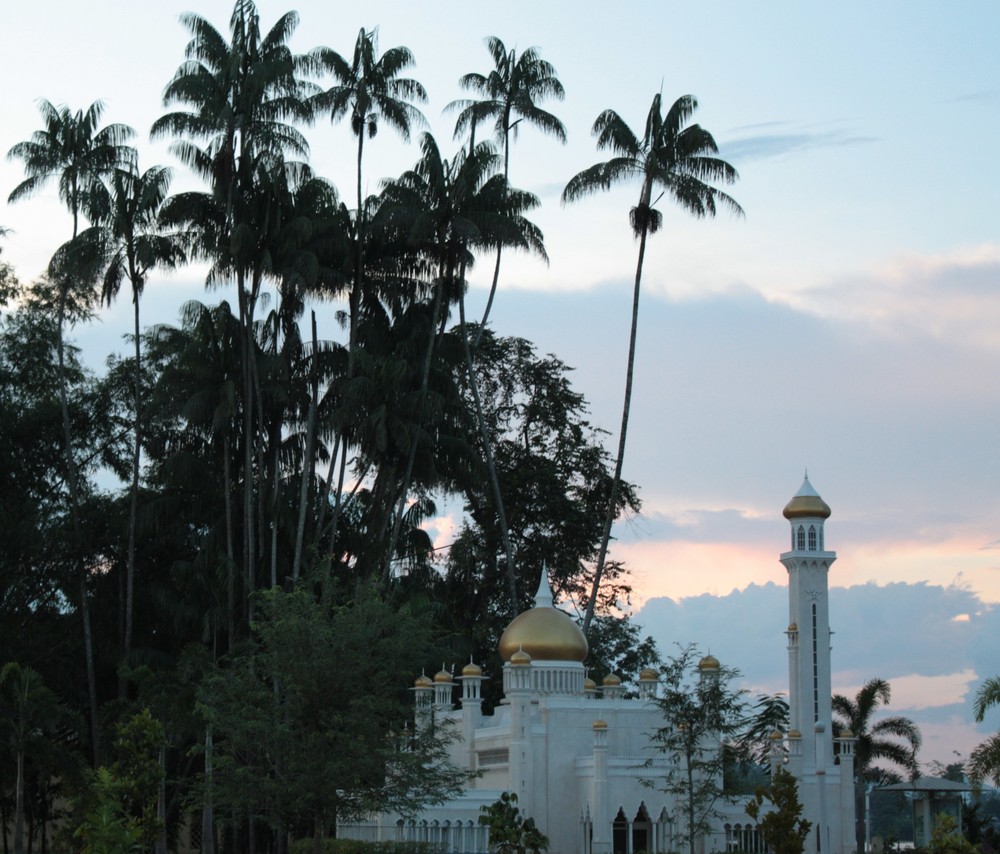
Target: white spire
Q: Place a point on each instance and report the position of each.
(807, 488)
(543, 598)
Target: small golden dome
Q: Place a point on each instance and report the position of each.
(793, 627)
(442, 676)
(847, 734)
(648, 674)
(472, 669)
(520, 658)
(589, 684)
(611, 680)
(709, 662)
(599, 724)
(422, 681)
(806, 504)
(776, 736)
(794, 733)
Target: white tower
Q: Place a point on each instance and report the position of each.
(825, 783)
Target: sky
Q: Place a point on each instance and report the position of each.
(848, 324)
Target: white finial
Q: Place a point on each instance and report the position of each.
(543, 598)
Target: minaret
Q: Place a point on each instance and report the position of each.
(808, 564)
(810, 737)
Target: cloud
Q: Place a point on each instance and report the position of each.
(952, 297)
(904, 633)
(762, 146)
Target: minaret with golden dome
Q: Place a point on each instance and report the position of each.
(825, 787)
(808, 564)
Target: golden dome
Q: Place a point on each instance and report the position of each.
(422, 681)
(709, 662)
(589, 684)
(806, 503)
(611, 680)
(793, 627)
(544, 632)
(794, 733)
(776, 736)
(442, 676)
(847, 734)
(472, 669)
(599, 724)
(520, 658)
(648, 674)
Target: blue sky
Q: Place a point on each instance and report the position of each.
(849, 324)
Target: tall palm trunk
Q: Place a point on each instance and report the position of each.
(249, 531)
(133, 513)
(74, 506)
(626, 406)
(307, 456)
(496, 266)
(488, 450)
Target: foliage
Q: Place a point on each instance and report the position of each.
(116, 807)
(893, 738)
(701, 708)
(984, 761)
(307, 719)
(107, 828)
(510, 832)
(784, 829)
(946, 838)
(227, 525)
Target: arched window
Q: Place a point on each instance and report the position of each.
(821, 546)
(802, 538)
(812, 538)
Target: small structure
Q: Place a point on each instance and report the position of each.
(930, 797)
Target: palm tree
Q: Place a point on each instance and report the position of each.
(369, 89)
(896, 739)
(128, 228)
(240, 93)
(676, 160)
(508, 95)
(455, 207)
(72, 149)
(984, 762)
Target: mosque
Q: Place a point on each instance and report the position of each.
(577, 754)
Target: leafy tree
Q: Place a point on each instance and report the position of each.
(30, 711)
(293, 745)
(783, 828)
(679, 161)
(701, 708)
(947, 839)
(510, 832)
(984, 761)
(895, 739)
(770, 715)
(555, 475)
(9, 286)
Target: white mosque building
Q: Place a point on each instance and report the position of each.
(577, 754)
